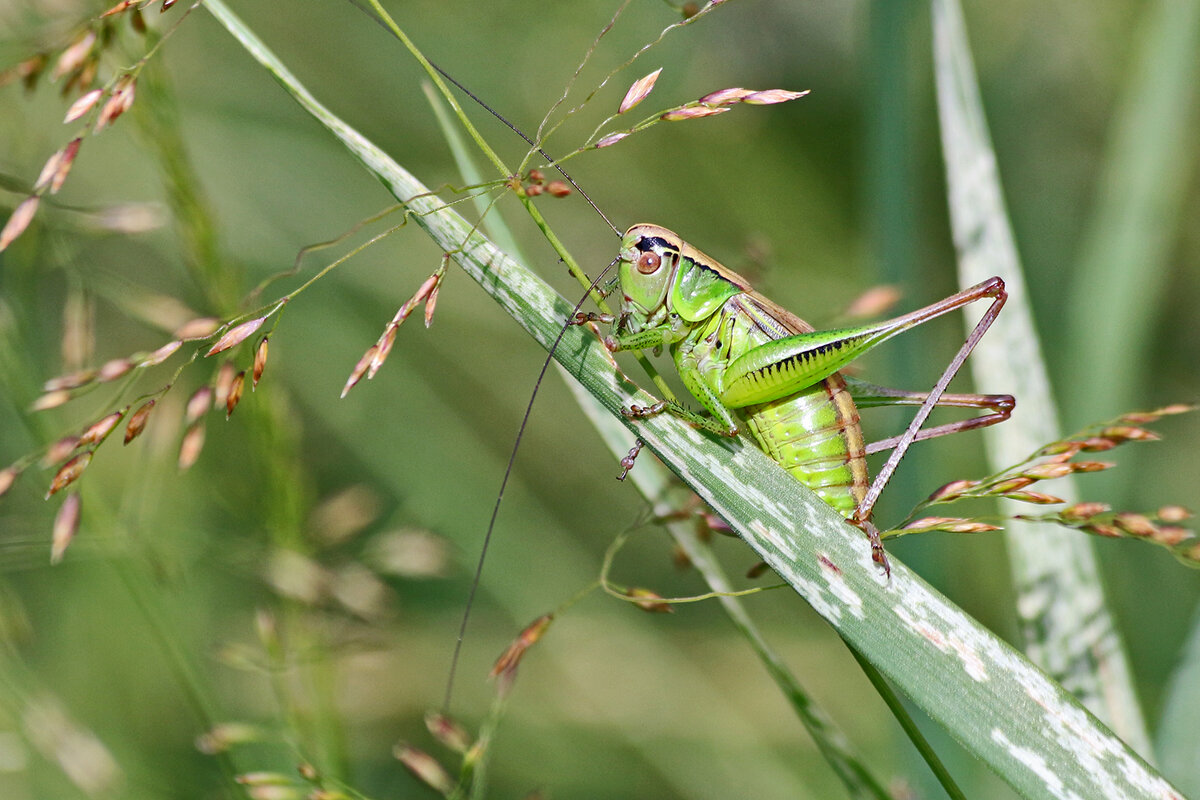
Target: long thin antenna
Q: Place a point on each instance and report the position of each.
(549, 159)
(487, 537)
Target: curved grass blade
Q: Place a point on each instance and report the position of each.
(1029, 729)
(1065, 621)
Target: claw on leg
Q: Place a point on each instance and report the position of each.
(878, 554)
(630, 457)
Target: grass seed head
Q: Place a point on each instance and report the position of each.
(235, 393)
(725, 97)
(360, 369)
(649, 601)
(199, 404)
(111, 370)
(19, 221)
(260, 361)
(66, 525)
(448, 731)
(235, 336)
(118, 102)
(76, 53)
(99, 430)
(190, 447)
(610, 140)
(691, 112)
(8, 476)
(1173, 514)
(558, 188)
(506, 665)
(639, 91)
(223, 384)
(424, 768)
(199, 328)
(59, 451)
(162, 354)
(1135, 524)
(69, 472)
(1081, 511)
(772, 96)
(51, 400)
(137, 420)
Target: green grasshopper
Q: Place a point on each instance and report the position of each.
(746, 360)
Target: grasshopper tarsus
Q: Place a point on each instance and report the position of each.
(642, 412)
(630, 457)
(584, 317)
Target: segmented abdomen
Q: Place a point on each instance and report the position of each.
(815, 435)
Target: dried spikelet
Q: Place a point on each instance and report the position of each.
(162, 354)
(72, 381)
(948, 524)
(111, 370)
(69, 472)
(19, 221)
(223, 384)
(558, 188)
(66, 525)
(8, 476)
(48, 170)
(533, 190)
(235, 393)
(190, 447)
(639, 91)
(1104, 529)
(691, 112)
(649, 601)
(64, 164)
(1082, 511)
(83, 105)
(118, 8)
(76, 53)
(873, 302)
(536, 176)
(448, 732)
(1128, 433)
(1135, 524)
(508, 661)
(263, 778)
(772, 96)
(199, 328)
(383, 348)
(99, 430)
(1039, 498)
(1172, 535)
(118, 102)
(221, 738)
(1009, 485)
(199, 404)
(59, 451)
(724, 97)
(610, 140)
(1173, 513)
(360, 369)
(1040, 472)
(424, 768)
(137, 420)
(51, 400)
(235, 336)
(260, 361)
(1092, 466)
(1096, 444)
(951, 491)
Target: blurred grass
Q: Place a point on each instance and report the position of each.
(430, 434)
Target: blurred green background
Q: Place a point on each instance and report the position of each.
(354, 524)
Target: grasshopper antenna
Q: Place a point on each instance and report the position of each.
(487, 537)
(549, 160)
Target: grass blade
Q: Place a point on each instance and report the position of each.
(1054, 570)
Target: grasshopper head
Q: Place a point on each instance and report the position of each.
(649, 257)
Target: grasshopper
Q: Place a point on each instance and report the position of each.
(748, 361)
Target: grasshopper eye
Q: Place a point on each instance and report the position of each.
(648, 263)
